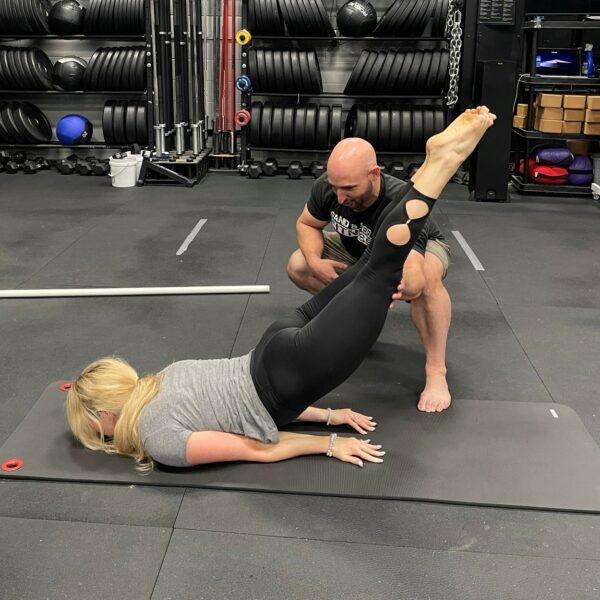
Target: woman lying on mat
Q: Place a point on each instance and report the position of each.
(204, 411)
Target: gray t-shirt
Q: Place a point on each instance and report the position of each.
(203, 395)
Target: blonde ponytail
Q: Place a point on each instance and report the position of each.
(111, 384)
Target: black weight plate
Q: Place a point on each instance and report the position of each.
(41, 67)
(278, 18)
(140, 70)
(277, 127)
(394, 80)
(27, 17)
(411, 80)
(356, 71)
(299, 126)
(296, 72)
(417, 122)
(107, 123)
(435, 18)
(141, 127)
(305, 70)
(260, 85)
(41, 11)
(421, 18)
(251, 18)
(404, 140)
(4, 134)
(7, 75)
(322, 134)
(18, 72)
(128, 70)
(255, 114)
(87, 23)
(107, 80)
(386, 76)
(443, 72)
(421, 85)
(350, 126)
(384, 129)
(252, 69)
(400, 26)
(288, 126)
(287, 17)
(140, 19)
(310, 126)
(117, 20)
(267, 18)
(432, 75)
(311, 17)
(428, 123)
(443, 18)
(362, 121)
(327, 29)
(123, 17)
(119, 123)
(118, 70)
(104, 17)
(279, 77)
(365, 76)
(100, 73)
(315, 72)
(297, 18)
(266, 123)
(336, 125)
(98, 69)
(35, 122)
(438, 119)
(23, 124)
(270, 69)
(111, 15)
(88, 72)
(406, 23)
(395, 128)
(376, 72)
(26, 75)
(373, 126)
(383, 26)
(3, 78)
(130, 122)
(261, 15)
(15, 134)
(288, 73)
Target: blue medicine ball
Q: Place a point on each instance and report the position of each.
(74, 129)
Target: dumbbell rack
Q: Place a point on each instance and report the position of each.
(31, 93)
(247, 149)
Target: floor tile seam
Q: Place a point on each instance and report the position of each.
(108, 524)
(162, 562)
(54, 258)
(375, 545)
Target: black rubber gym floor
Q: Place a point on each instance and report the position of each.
(525, 329)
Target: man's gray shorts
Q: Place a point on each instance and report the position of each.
(334, 250)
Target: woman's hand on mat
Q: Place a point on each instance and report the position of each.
(355, 451)
(326, 270)
(358, 421)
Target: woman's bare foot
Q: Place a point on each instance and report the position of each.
(436, 395)
(454, 145)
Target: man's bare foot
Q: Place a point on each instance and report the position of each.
(436, 395)
(459, 139)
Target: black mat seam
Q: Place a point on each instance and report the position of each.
(162, 562)
(47, 519)
(33, 275)
(372, 544)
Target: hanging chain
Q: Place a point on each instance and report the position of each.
(454, 30)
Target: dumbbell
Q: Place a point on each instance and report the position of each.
(270, 167)
(19, 157)
(12, 167)
(67, 166)
(316, 168)
(31, 167)
(397, 170)
(411, 169)
(295, 170)
(101, 167)
(255, 170)
(86, 167)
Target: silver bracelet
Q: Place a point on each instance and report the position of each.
(332, 439)
(329, 413)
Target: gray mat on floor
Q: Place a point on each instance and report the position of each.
(519, 454)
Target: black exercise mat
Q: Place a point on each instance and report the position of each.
(511, 454)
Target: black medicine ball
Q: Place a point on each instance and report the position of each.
(66, 18)
(68, 73)
(357, 18)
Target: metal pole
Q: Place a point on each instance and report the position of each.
(149, 291)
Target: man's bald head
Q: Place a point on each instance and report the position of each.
(353, 173)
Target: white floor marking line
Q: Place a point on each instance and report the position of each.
(467, 249)
(190, 238)
(146, 291)
(553, 413)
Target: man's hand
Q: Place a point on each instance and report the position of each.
(404, 294)
(347, 416)
(325, 270)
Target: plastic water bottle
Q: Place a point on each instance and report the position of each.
(589, 68)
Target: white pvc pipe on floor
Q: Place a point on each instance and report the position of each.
(149, 291)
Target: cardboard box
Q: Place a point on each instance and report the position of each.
(519, 121)
(571, 114)
(591, 128)
(549, 114)
(549, 100)
(580, 146)
(575, 102)
(522, 110)
(592, 116)
(593, 102)
(571, 127)
(548, 126)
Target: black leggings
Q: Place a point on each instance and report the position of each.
(302, 358)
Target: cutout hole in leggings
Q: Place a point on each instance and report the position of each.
(399, 235)
(416, 209)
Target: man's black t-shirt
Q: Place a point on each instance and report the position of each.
(355, 228)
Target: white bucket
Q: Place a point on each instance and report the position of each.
(123, 171)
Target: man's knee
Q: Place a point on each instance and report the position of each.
(297, 269)
(434, 273)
